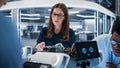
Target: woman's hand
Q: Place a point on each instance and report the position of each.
(43, 66)
(67, 50)
(40, 46)
(110, 65)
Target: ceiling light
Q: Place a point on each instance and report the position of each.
(88, 16)
(30, 18)
(29, 14)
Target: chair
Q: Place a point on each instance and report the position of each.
(56, 60)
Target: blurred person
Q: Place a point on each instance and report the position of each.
(10, 48)
(109, 44)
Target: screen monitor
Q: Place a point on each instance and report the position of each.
(86, 50)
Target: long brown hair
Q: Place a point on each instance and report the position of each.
(65, 24)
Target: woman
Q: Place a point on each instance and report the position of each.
(58, 30)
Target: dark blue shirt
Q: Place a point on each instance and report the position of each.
(10, 48)
(56, 38)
